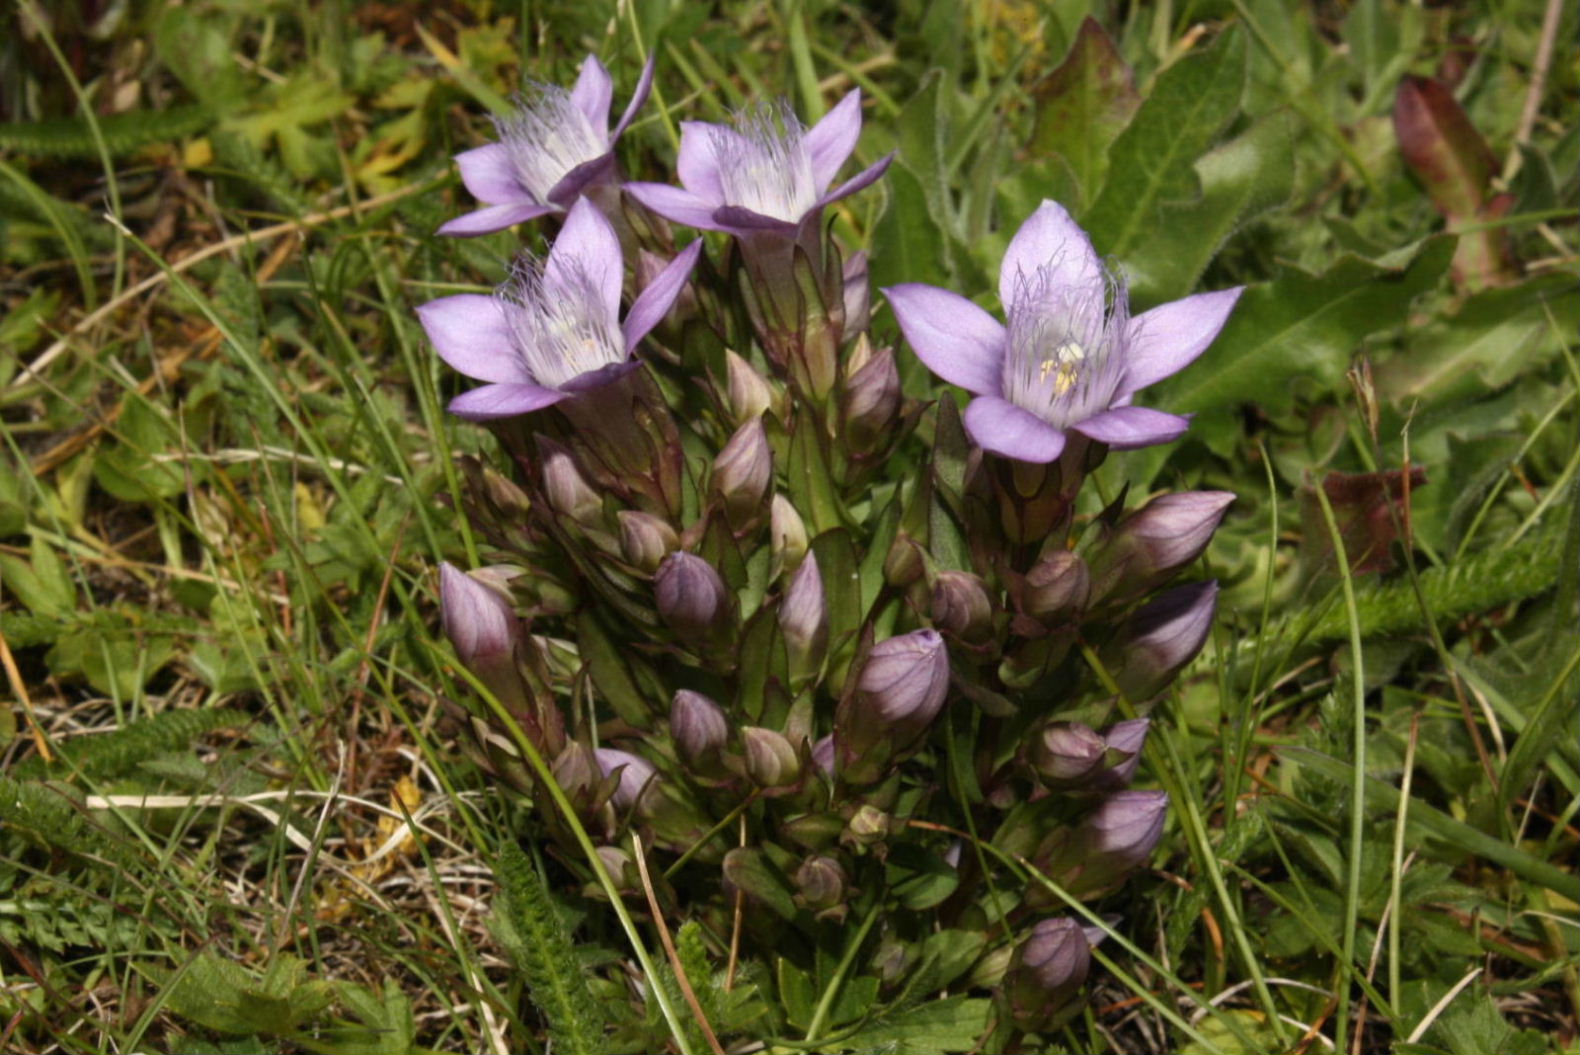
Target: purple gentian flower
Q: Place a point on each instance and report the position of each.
(554, 329)
(765, 175)
(553, 147)
(1070, 357)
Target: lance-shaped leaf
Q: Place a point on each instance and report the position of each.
(1084, 104)
(1456, 167)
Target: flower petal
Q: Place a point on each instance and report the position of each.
(1126, 427)
(494, 218)
(831, 140)
(675, 204)
(644, 85)
(1050, 238)
(860, 181)
(600, 169)
(738, 220)
(492, 402)
(490, 177)
(604, 375)
(1168, 338)
(472, 334)
(590, 239)
(593, 91)
(654, 302)
(698, 161)
(957, 340)
(1000, 426)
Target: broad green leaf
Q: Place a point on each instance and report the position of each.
(1084, 104)
(953, 1024)
(919, 878)
(1296, 327)
(1493, 337)
(1150, 164)
(609, 673)
(1239, 180)
(907, 243)
(750, 870)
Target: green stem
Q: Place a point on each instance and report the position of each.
(826, 1004)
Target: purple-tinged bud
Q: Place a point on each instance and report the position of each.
(787, 534)
(749, 392)
(1126, 826)
(823, 755)
(868, 825)
(477, 618)
(1163, 636)
(1067, 755)
(1056, 587)
(857, 293)
(901, 688)
(698, 727)
(480, 622)
(645, 540)
(903, 564)
(621, 869)
(635, 775)
(568, 492)
(1159, 538)
(691, 598)
(893, 959)
(803, 620)
(1125, 741)
(743, 471)
(1045, 973)
(576, 771)
(872, 397)
(961, 607)
(821, 882)
(771, 760)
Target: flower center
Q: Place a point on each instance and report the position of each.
(547, 137)
(764, 164)
(1064, 361)
(559, 324)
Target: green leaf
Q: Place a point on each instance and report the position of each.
(953, 1024)
(608, 670)
(1240, 180)
(1298, 326)
(123, 133)
(907, 243)
(918, 878)
(751, 871)
(1150, 164)
(1495, 336)
(1084, 104)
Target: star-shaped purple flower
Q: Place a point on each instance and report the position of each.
(1070, 356)
(550, 150)
(765, 175)
(554, 329)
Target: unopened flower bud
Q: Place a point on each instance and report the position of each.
(903, 564)
(621, 869)
(821, 882)
(868, 825)
(576, 770)
(481, 624)
(803, 619)
(771, 760)
(1159, 538)
(690, 596)
(1066, 754)
(645, 540)
(1126, 825)
(857, 293)
(872, 400)
(635, 775)
(823, 755)
(1125, 741)
(698, 726)
(961, 607)
(749, 392)
(1163, 636)
(901, 689)
(742, 472)
(787, 533)
(1055, 587)
(1045, 973)
(568, 492)
(893, 960)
